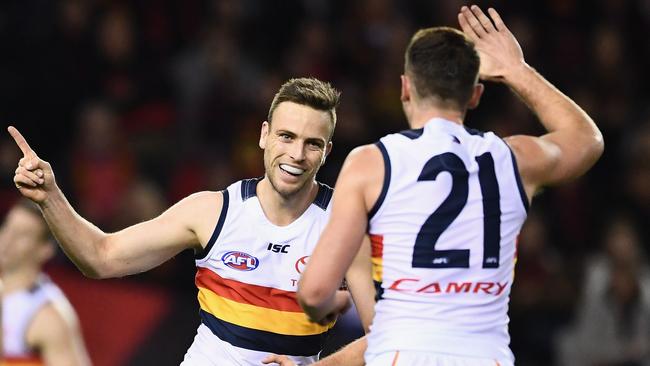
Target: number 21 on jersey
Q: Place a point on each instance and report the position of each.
(425, 254)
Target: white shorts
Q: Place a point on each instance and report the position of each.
(411, 358)
(208, 350)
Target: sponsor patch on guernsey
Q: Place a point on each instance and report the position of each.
(240, 261)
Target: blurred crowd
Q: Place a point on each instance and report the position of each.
(140, 103)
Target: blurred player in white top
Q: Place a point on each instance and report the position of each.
(39, 327)
(444, 204)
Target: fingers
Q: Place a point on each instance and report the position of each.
(21, 142)
(466, 27)
(31, 163)
(485, 22)
(498, 22)
(470, 25)
(277, 359)
(31, 176)
(21, 181)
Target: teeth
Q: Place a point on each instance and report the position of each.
(291, 169)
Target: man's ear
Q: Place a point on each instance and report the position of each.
(264, 134)
(476, 96)
(328, 150)
(405, 94)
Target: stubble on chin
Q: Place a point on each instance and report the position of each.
(286, 193)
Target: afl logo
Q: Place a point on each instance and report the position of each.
(240, 261)
(301, 263)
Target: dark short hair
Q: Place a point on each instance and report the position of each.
(442, 62)
(311, 92)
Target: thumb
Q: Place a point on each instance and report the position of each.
(268, 359)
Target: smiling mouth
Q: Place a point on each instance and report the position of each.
(291, 170)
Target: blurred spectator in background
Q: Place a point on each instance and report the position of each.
(39, 326)
(612, 327)
(541, 297)
(7, 191)
(102, 164)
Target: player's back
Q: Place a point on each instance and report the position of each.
(444, 242)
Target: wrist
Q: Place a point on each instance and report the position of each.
(53, 199)
(517, 72)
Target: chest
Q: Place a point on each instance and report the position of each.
(253, 251)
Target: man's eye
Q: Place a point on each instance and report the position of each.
(284, 136)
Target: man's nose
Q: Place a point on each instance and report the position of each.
(298, 151)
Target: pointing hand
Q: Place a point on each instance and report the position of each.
(33, 177)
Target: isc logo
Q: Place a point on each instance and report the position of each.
(278, 248)
(240, 261)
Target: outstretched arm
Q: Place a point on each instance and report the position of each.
(132, 250)
(573, 142)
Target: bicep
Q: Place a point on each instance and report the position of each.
(552, 158)
(150, 243)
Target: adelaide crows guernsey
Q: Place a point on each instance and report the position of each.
(18, 311)
(247, 281)
(443, 236)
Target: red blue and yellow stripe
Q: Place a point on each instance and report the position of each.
(257, 317)
(377, 259)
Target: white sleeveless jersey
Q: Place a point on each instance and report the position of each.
(18, 311)
(443, 234)
(247, 279)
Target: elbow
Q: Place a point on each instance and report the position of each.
(95, 273)
(595, 149)
(599, 144)
(98, 267)
(312, 297)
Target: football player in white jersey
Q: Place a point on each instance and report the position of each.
(39, 326)
(444, 204)
(251, 240)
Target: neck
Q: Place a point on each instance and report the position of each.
(281, 210)
(19, 280)
(419, 115)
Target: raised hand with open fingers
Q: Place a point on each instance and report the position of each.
(33, 177)
(499, 50)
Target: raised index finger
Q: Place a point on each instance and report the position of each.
(20, 141)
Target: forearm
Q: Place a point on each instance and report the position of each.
(555, 110)
(81, 241)
(317, 310)
(350, 355)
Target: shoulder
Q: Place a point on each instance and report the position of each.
(365, 156)
(54, 320)
(206, 200)
(363, 173)
(363, 164)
